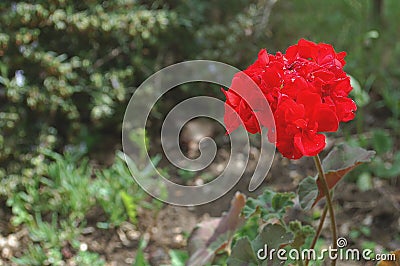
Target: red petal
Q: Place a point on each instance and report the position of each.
(340, 57)
(326, 119)
(310, 101)
(231, 97)
(324, 75)
(287, 149)
(231, 119)
(343, 87)
(309, 144)
(293, 111)
(291, 52)
(252, 125)
(345, 108)
(263, 57)
(307, 49)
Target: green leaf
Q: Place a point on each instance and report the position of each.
(381, 141)
(269, 205)
(308, 192)
(282, 200)
(130, 206)
(140, 260)
(361, 97)
(4, 81)
(178, 257)
(301, 232)
(254, 205)
(243, 254)
(344, 156)
(341, 160)
(272, 236)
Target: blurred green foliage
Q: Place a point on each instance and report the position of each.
(56, 202)
(67, 68)
(369, 35)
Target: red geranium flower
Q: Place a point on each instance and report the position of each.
(306, 89)
(298, 124)
(322, 68)
(246, 98)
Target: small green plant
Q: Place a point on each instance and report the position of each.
(178, 257)
(140, 259)
(86, 258)
(118, 194)
(35, 255)
(269, 210)
(53, 205)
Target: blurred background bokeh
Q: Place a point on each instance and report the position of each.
(68, 69)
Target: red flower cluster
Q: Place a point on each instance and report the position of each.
(307, 92)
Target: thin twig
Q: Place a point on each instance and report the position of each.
(325, 189)
(319, 229)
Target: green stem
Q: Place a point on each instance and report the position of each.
(300, 261)
(325, 189)
(319, 229)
